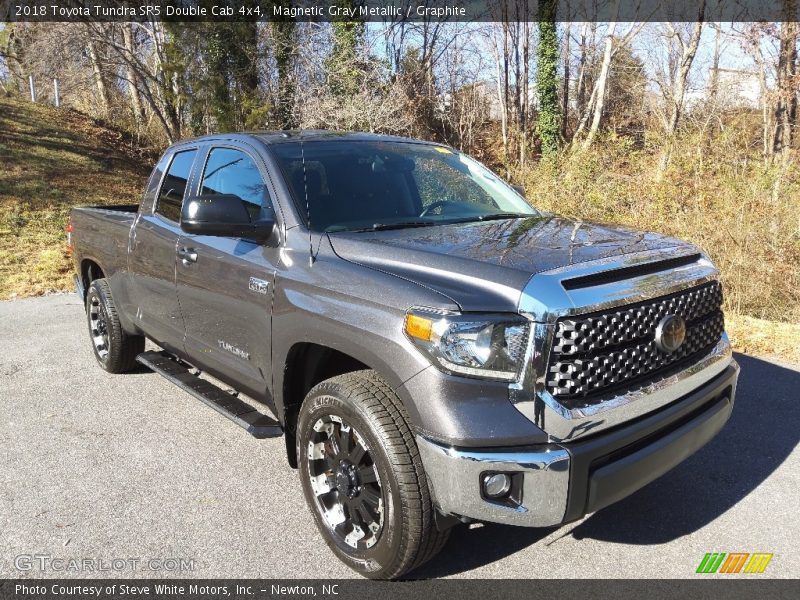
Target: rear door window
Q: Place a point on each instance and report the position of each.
(170, 198)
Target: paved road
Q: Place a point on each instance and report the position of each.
(110, 467)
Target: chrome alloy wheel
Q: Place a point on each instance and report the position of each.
(345, 482)
(98, 326)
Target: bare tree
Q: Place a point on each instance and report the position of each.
(565, 82)
(132, 75)
(585, 42)
(773, 49)
(786, 82)
(682, 41)
(509, 40)
(499, 49)
(596, 105)
(99, 76)
(688, 48)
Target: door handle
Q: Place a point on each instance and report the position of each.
(187, 255)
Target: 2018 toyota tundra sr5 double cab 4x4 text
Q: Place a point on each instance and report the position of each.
(433, 349)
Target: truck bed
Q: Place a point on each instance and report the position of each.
(100, 234)
(131, 208)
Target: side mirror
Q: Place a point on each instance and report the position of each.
(224, 215)
(519, 189)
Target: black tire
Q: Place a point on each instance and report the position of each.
(407, 535)
(114, 349)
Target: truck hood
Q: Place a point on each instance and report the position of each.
(485, 266)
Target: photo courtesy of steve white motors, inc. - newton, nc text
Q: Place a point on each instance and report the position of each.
(399, 299)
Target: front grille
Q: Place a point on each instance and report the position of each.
(596, 354)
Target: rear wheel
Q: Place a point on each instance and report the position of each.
(363, 478)
(114, 349)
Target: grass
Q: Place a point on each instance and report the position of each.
(777, 339)
(51, 160)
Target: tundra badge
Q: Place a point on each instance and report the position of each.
(228, 347)
(258, 285)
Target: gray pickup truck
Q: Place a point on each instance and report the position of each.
(432, 348)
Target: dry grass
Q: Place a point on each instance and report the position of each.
(50, 161)
(759, 337)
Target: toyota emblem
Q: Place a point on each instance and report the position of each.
(670, 333)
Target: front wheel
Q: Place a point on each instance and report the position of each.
(363, 478)
(114, 349)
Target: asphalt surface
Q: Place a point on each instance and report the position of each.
(96, 468)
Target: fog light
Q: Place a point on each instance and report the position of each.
(497, 485)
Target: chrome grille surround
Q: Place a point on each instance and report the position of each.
(545, 300)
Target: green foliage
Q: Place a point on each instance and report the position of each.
(284, 39)
(231, 54)
(549, 116)
(345, 72)
(215, 67)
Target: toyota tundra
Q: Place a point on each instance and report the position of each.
(433, 349)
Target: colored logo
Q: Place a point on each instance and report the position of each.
(734, 562)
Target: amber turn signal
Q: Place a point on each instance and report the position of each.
(419, 327)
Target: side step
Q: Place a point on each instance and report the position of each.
(258, 425)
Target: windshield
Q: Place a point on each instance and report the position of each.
(366, 185)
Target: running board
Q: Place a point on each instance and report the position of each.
(245, 416)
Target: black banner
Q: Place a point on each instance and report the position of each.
(396, 10)
(263, 589)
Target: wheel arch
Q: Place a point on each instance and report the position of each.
(308, 364)
(90, 270)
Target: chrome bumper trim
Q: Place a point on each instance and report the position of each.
(454, 476)
(562, 424)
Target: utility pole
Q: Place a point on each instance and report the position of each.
(55, 93)
(33, 88)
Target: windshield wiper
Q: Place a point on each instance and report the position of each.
(506, 215)
(410, 224)
(398, 225)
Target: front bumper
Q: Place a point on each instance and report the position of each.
(563, 482)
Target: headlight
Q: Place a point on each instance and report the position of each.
(485, 346)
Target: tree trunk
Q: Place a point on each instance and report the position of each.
(99, 80)
(565, 83)
(687, 58)
(602, 83)
(506, 102)
(133, 78)
(786, 105)
(580, 88)
(524, 108)
(689, 50)
(503, 110)
(714, 88)
(283, 33)
(549, 119)
(500, 63)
